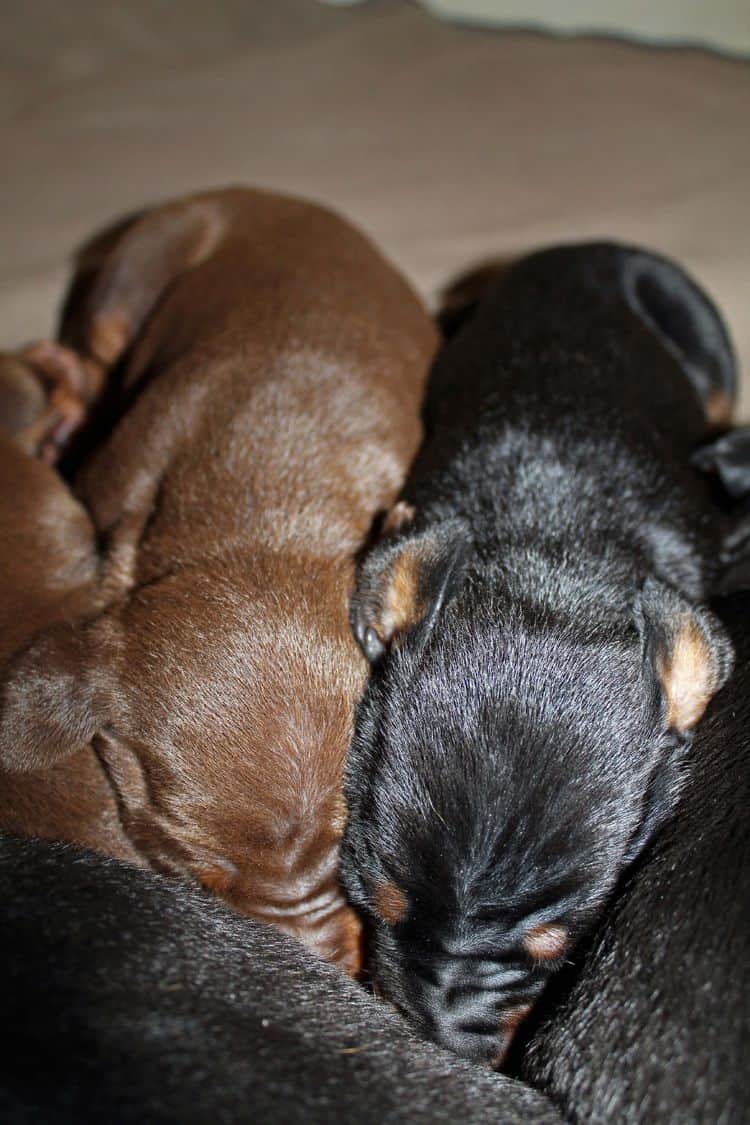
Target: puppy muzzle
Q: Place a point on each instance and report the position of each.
(475, 1016)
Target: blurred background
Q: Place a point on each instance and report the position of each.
(453, 131)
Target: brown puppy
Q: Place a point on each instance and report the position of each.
(268, 367)
(47, 575)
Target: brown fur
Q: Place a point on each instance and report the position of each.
(271, 365)
(44, 392)
(511, 1021)
(402, 608)
(546, 943)
(390, 903)
(398, 518)
(47, 575)
(688, 677)
(719, 407)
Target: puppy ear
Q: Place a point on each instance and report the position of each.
(729, 459)
(122, 274)
(405, 581)
(734, 573)
(52, 700)
(687, 652)
(462, 296)
(688, 324)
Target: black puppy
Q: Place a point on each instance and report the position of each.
(534, 616)
(655, 1027)
(130, 998)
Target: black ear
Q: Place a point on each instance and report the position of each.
(734, 573)
(405, 581)
(688, 655)
(729, 458)
(688, 324)
(460, 299)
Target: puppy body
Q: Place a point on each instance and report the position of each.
(47, 577)
(534, 619)
(128, 997)
(652, 1023)
(263, 368)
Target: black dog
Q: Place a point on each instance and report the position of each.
(655, 1028)
(534, 615)
(130, 998)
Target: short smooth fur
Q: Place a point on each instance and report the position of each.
(535, 617)
(261, 366)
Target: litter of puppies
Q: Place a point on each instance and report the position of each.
(211, 530)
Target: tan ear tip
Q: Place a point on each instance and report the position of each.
(698, 666)
(401, 514)
(546, 942)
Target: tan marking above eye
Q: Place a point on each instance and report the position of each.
(390, 903)
(546, 942)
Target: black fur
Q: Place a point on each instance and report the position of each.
(654, 1026)
(130, 998)
(516, 748)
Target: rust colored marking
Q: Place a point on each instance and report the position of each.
(513, 1017)
(402, 607)
(718, 409)
(546, 943)
(399, 516)
(390, 903)
(510, 1021)
(688, 678)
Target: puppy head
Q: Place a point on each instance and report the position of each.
(218, 702)
(221, 714)
(505, 769)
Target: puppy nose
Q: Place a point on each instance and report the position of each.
(465, 1020)
(473, 1035)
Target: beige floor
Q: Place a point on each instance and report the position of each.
(448, 145)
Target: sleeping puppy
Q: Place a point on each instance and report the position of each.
(534, 616)
(128, 997)
(654, 1024)
(261, 367)
(47, 576)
